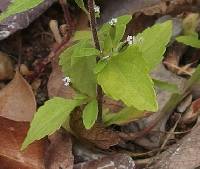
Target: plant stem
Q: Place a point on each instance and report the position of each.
(97, 46)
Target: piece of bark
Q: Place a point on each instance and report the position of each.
(84, 152)
(21, 20)
(12, 135)
(184, 155)
(59, 153)
(118, 161)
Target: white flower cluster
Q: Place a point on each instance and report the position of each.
(96, 9)
(105, 57)
(66, 81)
(113, 21)
(130, 39)
(133, 40)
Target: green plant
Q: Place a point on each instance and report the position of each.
(190, 37)
(109, 65)
(190, 40)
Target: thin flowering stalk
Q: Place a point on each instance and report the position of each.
(92, 18)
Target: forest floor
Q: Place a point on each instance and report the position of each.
(30, 75)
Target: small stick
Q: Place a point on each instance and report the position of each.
(67, 16)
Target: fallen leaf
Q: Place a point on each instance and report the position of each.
(174, 55)
(192, 112)
(98, 135)
(119, 161)
(17, 101)
(12, 135)
(6, 67)
(185, 103)
(115, 8)
(181, 70)
(59, 152)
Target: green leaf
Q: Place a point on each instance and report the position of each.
(126, 78)
(82, 75)
(105, 38)
(84, 48)
(81, 51)
(90, 113)
(100, 66)
(154, 41)
(49, 118)
(166, 86)
(110, 36)
(189, 40)
(79, 66)
(18, 6)
(120, 28)
(81, 35)
(81, 5)
(65, 60)
(126, 115)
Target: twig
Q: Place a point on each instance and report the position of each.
(97, 45)
(53, 24)
(19, 52)
(67, 16)
(169, 135)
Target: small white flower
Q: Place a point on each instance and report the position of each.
(134, 40)
(105, 57)
(66, 81)
(113, 21)
(130, 39)
(96, 9)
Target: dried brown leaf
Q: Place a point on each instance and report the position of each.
(98, 135)
(114, 8)
(185, 103)
(17, 101)
(12, 135)
(192, 112)
(59, 153)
